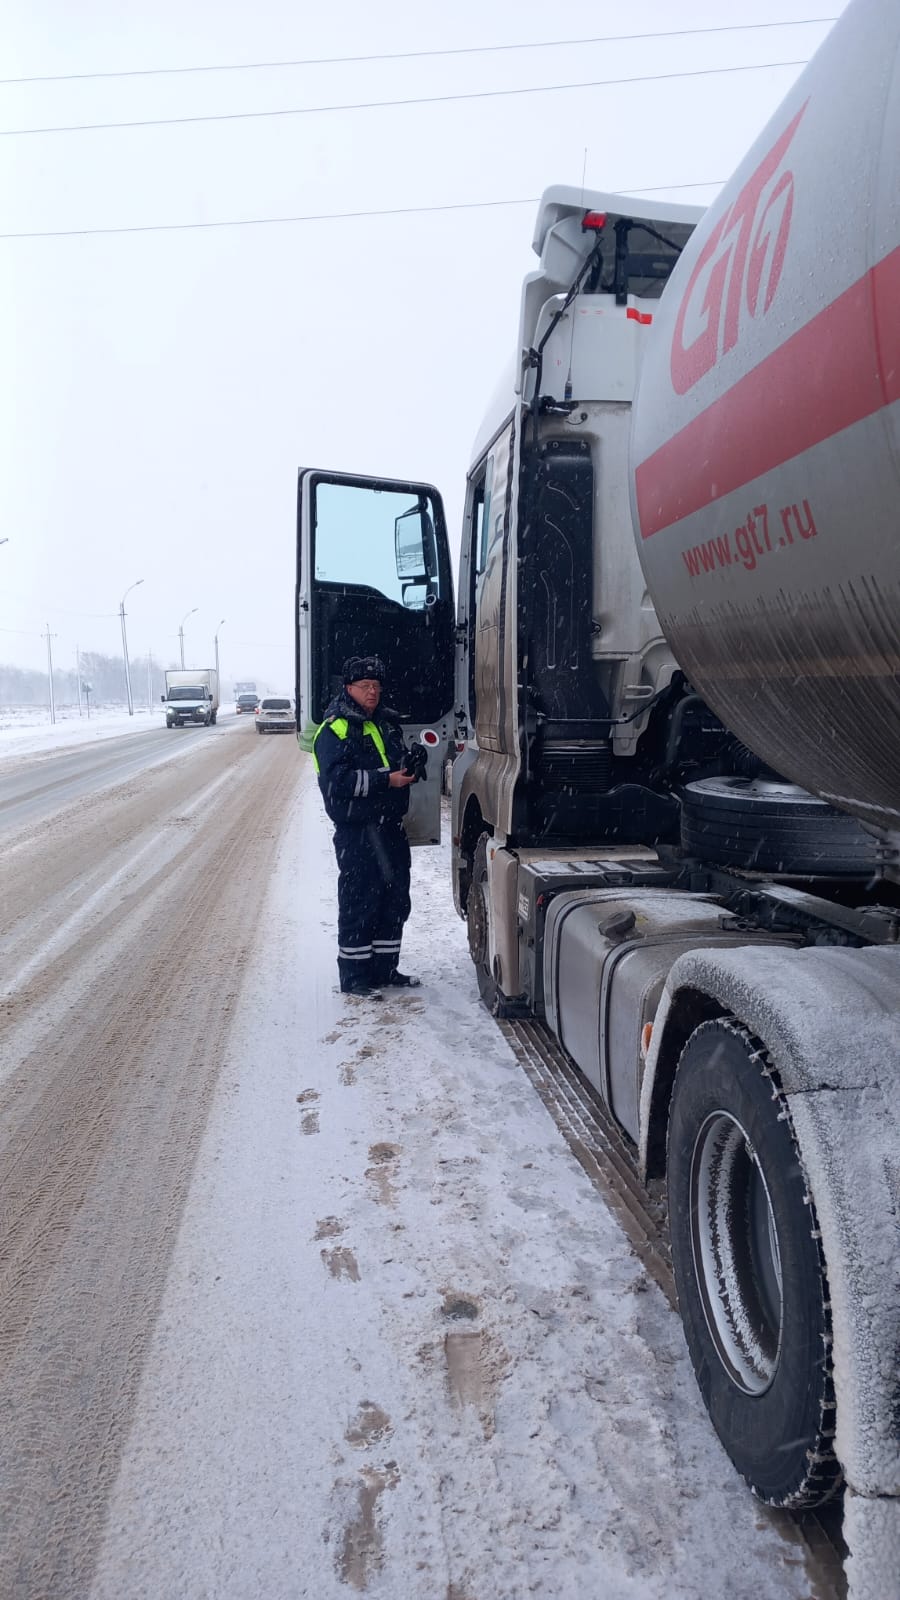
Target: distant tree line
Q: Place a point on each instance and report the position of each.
(105, 674)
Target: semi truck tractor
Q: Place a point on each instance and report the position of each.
(191, 697)
(673, 678)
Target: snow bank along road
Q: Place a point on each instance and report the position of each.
(301, 1297)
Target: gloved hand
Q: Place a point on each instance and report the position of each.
(415, 761)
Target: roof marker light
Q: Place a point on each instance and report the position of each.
(593, 222)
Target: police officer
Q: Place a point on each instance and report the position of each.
(359, 756)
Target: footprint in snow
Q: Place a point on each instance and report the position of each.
(328, 1228)
(341, 1263)
(383, 1171)
(475, 1361)
(368, 1426)
(360, 1552)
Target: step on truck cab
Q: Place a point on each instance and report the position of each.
(675, 810)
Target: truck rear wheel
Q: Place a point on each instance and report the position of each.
(749, 1268)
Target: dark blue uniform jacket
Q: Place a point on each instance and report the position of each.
(352, 775)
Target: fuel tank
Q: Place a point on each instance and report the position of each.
(766, 434)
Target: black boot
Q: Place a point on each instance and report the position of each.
(361, 988)
(403, 980)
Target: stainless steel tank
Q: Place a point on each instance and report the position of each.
(766, 433)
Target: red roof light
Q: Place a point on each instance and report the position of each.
(593, 222)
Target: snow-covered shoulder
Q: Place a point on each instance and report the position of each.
(404, 1347)
(28, 731)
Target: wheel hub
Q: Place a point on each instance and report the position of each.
(737, 1262)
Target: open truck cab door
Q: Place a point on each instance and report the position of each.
(374, 578)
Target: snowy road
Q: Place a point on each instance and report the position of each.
(35, 786)
(303, 1297)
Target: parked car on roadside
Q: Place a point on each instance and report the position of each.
(245, 703)
(275, 715)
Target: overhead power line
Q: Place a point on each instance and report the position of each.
(421, 55)
(327, 216)
(378, 105)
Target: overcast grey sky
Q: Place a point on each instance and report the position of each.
(163, 388)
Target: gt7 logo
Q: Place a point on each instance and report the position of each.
(741, 261)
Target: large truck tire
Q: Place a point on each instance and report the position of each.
(478, 928)
(477, 921)
(478, 913)
(749, 1268)
(771, 826)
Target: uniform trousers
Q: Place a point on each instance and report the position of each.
(373, 898)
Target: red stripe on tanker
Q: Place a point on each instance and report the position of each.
(843, 366)
(766, 433)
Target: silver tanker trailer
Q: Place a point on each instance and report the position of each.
(676, 792)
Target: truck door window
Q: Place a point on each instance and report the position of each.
(381, 585)
(378, 539)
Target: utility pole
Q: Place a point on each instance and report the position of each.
(216, 647)
(125, 645)
(48, 636)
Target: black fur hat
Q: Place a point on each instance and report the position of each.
(363, 667)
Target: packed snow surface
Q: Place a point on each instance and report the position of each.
(404, 1348)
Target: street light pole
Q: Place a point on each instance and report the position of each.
(219, 625)
(181, 631)
(134, 585)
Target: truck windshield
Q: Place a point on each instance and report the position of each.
(187, 692)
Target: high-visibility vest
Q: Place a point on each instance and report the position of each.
(341, 727)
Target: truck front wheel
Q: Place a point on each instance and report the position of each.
(478, 923)
(749, 1267)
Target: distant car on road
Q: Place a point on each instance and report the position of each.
(275, 716)
(245, 702)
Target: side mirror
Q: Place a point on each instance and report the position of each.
(163, 698)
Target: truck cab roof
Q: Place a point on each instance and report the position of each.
(654, 233)
(643, 236)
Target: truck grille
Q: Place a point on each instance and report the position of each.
(581, 767)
